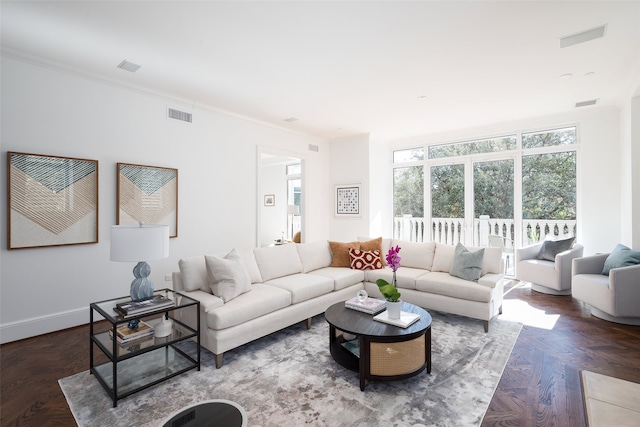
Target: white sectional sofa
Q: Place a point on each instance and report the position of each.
(294, 282)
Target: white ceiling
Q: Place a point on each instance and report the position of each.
(345, 67)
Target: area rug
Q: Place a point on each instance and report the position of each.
(289, 379)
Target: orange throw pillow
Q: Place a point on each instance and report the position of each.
(340, 253)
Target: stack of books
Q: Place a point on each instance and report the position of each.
(146, 305)
(369, 305)
(124, 335)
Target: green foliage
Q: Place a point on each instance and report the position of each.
(389, 291)
(447, 191)
(493, 188)
(549, 186)
(408, 191)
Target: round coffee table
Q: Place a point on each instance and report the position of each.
(383, 351)
(217, 412)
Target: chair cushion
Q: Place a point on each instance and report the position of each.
(551, 248)
(228, 276)
(466, 265)
(621, 256)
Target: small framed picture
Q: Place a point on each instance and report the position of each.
(347, 200)
(269, 199)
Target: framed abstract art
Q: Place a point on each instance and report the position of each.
(52, 201)
(347, 201)
(148, 195)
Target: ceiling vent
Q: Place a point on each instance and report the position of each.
(179, 115)
(313, 147)
(584, 36)
(128, 66)
(587, 103)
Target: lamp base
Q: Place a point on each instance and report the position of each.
(142, 286)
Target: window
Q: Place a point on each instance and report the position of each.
(473, 147)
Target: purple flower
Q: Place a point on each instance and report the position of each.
(393, 259)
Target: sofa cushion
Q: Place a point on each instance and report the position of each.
(303, 287)
(416, 255)
(364, 260)
(262, 299)
(405, 276)
(251, 265)
(444, 284)
(193, 272)
(228, 276)
(372, 245)
(621, 256)
(342, 277)
(466, 265)
(314, 255)
(443, 258)
(340, 253)
(551, 248)
(277, 261)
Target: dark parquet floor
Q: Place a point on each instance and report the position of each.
(539, 387)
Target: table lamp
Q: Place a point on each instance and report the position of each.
(144, 242)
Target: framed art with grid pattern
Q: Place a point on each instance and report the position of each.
(347, 200)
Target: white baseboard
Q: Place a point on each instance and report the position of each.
(27, 328)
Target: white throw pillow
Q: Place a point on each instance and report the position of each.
(228, 276)
(194, 273)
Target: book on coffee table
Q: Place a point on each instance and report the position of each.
(406, 319)
(369, 305)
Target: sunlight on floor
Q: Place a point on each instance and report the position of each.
(519, 311)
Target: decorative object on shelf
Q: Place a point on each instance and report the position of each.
(388, 290)
(133, 324)
(293, 210)
(347, 200)
(269, 200)
(148, 195)
(52, 201)
(135, 243)
(164, 328)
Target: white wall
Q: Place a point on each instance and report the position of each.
(273, 219)
(599, 168)
(53, 112)
(350, 165)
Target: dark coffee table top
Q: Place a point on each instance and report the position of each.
(359, 323)
(211, 413)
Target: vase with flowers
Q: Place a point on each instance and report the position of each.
(390, 290)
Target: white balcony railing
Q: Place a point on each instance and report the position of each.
(452, 230)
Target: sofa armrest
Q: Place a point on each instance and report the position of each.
(589, 264)
(490, 280)
(565, 259)
(207, 301)
(528, 252)
(625, 279)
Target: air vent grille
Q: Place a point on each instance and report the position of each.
(179, 115)
(587, 103)
(313, 147)
(582, 37)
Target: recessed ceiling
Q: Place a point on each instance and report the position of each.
(345, 67)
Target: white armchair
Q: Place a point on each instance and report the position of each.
(615, 297)
(549, 277)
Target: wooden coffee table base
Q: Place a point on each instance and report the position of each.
(383, 357)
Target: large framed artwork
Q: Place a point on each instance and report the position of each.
(347, 200)
(148, 195)
(52, 201)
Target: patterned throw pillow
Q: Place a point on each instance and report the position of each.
(365, 260)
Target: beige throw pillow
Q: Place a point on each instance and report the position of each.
(228, 276)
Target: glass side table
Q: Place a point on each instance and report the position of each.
(147, 361)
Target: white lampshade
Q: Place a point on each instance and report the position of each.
(139, 242)
(293, 210)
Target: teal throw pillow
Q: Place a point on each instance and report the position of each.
(551, 248)
(466, 265)
(621, 256)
